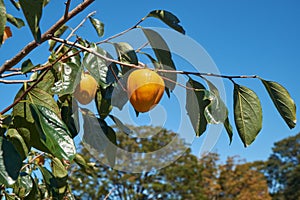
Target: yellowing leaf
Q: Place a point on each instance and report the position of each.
(7, 34)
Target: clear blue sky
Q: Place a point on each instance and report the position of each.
(242, 37)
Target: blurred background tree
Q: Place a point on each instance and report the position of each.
(186, 178)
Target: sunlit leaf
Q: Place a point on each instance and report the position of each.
(196, 103)
(216, 112)
(16, 4)
(17, 22)
(10, 162)
(104, 72)
(32, 10)
(54, 134)
(68, 78)
(168, 18)
(23, 120)
(163, 55)
(247, 114)
(126, 54)
(282, 101)
(23, 185)
(98, 25)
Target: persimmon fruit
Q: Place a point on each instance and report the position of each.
(86, 89)
(145, 89)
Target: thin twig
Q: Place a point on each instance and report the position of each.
(31, 161)
(158, 70)
(11, 74)
(181, 85)
(110, 192)
(36, 82)
(141, 47)
(67, 8)
(47, 35)
(76, 28)
(207, 74)
(122, 33)
(95, 53)
(15, 81)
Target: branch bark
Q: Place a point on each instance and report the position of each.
(46, 36)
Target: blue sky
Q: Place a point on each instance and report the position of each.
(241, 36)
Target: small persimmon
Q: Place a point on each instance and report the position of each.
(145, 88)
(86, 89)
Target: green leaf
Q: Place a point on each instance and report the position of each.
(54, 134)
(57, 33)
(32, 10)
(247, 114)
(104, 72)
(94, 136)
(98, 138)
(163, 55)
(2, 19)
(16, 4)
(121, 126)
(5, 121)
(23, 120)
(17, 22)
(79, 159)
(111, 149)
(69, 114)
(119, 95)
(47, 81)
(61, 176)
(34, 193)
(228, 129)
(53, 184)
(103, 102)
(27, 66)
(282, 101)
(19, 143)
(196, 103)
(98, 25)
(168, 18)
(23, 185)
(126, 54)
(216, 112)
(10, 162)
(68, 78)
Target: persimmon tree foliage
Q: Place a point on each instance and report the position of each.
(42, 121)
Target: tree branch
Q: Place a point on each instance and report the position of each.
(46, 36)
(36, 82)
(140, 66)
(94, 52)
(67, 8)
